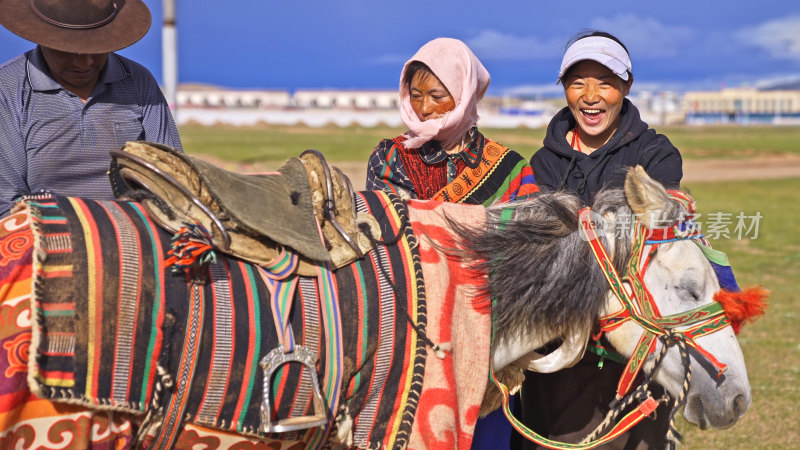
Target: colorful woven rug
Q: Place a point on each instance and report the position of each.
(25, 420)
(383, 391)
(107, 310)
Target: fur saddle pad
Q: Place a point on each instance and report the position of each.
(250, 216)
(109, 320)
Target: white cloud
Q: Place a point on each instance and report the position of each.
(491, 44)
(779, 37)
(496, 45)
(775, 80)
(646, 38)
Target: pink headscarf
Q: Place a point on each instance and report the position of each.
(466, 79)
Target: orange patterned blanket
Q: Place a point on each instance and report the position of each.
(458, 315)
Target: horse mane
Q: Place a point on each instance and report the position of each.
(543, 276)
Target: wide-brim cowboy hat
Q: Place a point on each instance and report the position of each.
(77, 26)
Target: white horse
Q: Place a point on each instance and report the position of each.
(546, 268)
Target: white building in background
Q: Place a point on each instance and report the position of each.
(347, 99)
(210, 105)
(202, 96)
(743, 106)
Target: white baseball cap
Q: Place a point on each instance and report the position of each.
(607, 52)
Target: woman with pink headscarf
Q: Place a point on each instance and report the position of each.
(443, 156)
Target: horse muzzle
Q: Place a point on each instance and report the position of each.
(717, 411)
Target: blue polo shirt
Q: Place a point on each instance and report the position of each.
(50, 139)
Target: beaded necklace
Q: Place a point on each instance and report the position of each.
(576, 140)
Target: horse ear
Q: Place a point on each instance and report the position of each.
(645, 196)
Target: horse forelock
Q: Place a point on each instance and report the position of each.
(536, 280)
(543, 277)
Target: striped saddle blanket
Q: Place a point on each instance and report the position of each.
(110, 320)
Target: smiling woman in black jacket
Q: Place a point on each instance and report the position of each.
(558, 165)
(589, 145)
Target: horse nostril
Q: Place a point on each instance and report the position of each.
(739, 405)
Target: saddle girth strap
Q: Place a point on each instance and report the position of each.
(173, 416)
(332, 377)
(281, 281)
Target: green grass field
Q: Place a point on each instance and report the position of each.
(771, 346)
(272, 144)
(734, 142)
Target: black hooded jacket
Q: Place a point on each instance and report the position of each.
(558, 166)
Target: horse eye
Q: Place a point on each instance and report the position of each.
(689, 289)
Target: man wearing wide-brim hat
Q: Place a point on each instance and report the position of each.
(65, 104)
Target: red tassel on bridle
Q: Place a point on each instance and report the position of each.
(744, 306)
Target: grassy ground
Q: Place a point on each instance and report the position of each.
(733, 142)
(771, 346)
(272, 144)
(267, 144)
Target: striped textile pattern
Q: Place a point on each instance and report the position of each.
(110, 341)
(107, 313)
(389, 357)
(507, 180)
(500, 175)
(187, 368)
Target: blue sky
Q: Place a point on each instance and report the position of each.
(290, 44)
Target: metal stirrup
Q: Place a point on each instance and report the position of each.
(271, 363)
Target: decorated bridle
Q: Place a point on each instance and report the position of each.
(639, 307)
